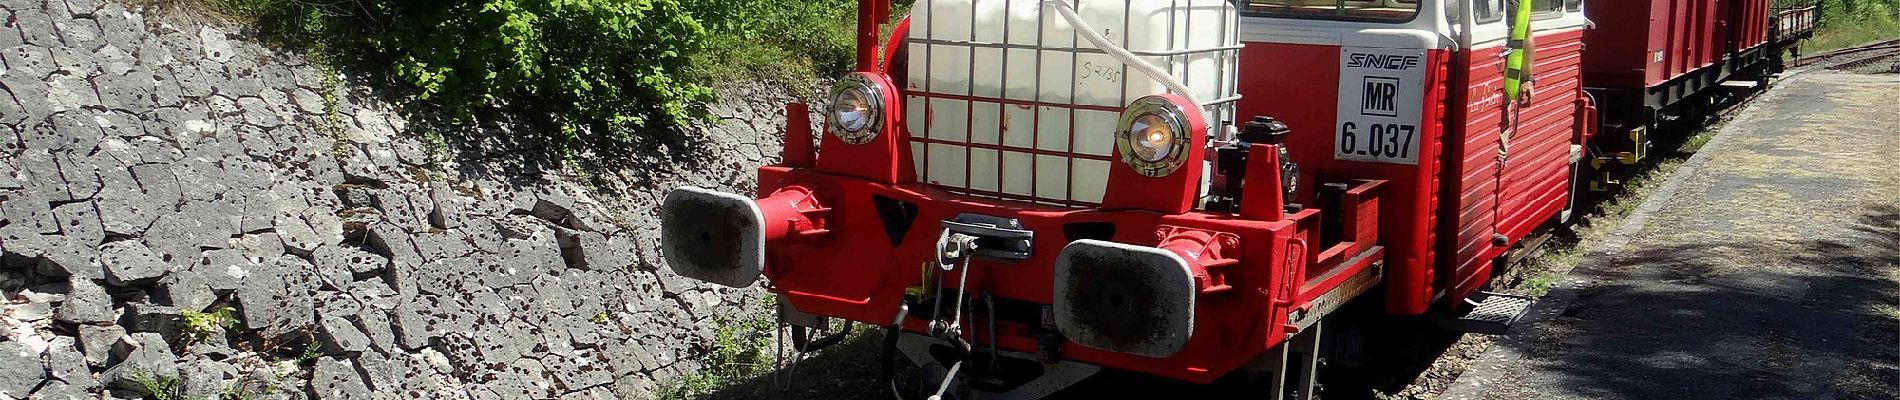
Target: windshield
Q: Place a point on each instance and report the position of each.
(1361, 10)
(1494, 10)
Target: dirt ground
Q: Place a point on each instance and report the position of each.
(1769, 272)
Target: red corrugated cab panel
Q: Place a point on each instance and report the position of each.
(1509, 190)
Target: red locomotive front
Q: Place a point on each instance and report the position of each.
(1175, 187)
(1056, 184)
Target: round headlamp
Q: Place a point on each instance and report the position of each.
(857, 108)
(1153, 136)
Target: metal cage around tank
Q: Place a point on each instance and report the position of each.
(956, 147)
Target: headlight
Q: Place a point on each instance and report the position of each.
(1153, 136)
(857, 109)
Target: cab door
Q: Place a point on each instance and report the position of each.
(1509, 167)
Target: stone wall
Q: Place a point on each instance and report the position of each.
(184, 207)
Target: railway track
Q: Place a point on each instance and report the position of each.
(1854, 57)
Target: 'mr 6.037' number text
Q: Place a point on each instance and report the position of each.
(1377, 141)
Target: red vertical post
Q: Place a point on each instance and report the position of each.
(798, 152)
(869, 12)
(1263, 198)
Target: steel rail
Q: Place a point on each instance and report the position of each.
(1856, 54)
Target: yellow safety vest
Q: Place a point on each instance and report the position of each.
(1518, 68)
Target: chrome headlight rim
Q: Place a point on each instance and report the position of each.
(872, 118)
(1169, 113)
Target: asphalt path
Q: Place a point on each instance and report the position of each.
(1768, 266)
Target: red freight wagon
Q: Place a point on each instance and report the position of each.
(1652, 61)
(1023, 192)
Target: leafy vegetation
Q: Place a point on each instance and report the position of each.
(203, 325)
(602, 76)
(236, 393)
(1541, 282)
(1846, 23)
(160, 387)
(739, 352)
(775, 40)
(311, 350)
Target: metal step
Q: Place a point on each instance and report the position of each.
(1493, 315)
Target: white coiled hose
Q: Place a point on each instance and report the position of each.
(1121, 54)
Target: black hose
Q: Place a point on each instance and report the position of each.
(890, 357)
(891, 333)
(802, 341)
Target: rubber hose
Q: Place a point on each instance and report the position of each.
(1121, 54)
(890, 357)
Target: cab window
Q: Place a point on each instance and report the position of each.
(1487, 11)
(1359, 10)
(1495, 10)
(1541, 9)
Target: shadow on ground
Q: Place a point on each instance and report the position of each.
(1814, 318)
(853, 369)
(848, 370)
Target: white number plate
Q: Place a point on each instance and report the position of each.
(1381, 97)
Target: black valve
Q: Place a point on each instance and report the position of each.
(1264, 129)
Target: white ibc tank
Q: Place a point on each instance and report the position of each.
(1009, 75)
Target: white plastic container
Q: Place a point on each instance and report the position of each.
(1004, 98)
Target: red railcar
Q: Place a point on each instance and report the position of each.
(1649, 43)
(1652, 61)
(1188, 188)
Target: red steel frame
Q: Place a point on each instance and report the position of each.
(855, 273)
(854, 270)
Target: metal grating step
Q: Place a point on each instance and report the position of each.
(1494, 314)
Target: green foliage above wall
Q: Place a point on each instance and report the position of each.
(603, 73)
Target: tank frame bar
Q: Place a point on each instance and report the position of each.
(1219, 110)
